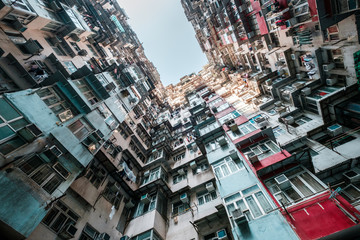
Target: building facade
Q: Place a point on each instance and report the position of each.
(262, 143)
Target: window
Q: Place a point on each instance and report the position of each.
(10, 122)
(60, 216)
(143, 207)
(155, 155)
(223, 107)
(88, 93)
(92, 50)
(278, 131)
(301, 185)
(75, 46)
(212, 103)
(96, 174)
(80, 129)
(262, 149)
(112, 194)
(208, 128)
(243, 129)
(180, 207)
(179, 157)
(56, 103)
(52, 26)
(43, 174)
(149, 235)
(57, 48)
(178, 178)
(89, 233)
(154, 174)
(351, 192)
(251, 198)
(70, 66)
(226, 167)
(206, 197)
(229, 116)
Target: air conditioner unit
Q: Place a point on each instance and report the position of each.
(289, 120)
(125, 237)
(66, 115)
(30, 132)
(210, 187)
(259, 120)
(298, 85)
(331, 81)
(352, 175)
(61, 170)
(278, 104)
(282, 181)
(328, 67)
(233, 154)
(176, 220)
(146, 173)
(33, 46)
(253, 158)
(184, 198)
(268, 82)
(145, 198)
(103, 236)
(335, 130)
(222, 235)
(130, 203)
(239, 217)
(251, 34)
(293, 56)
(193, 165)
(68, 231)
(82, 52)
(222, 141)
(55, 151)
(306, 91)
(181, 171)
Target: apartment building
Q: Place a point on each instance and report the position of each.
(262, 143)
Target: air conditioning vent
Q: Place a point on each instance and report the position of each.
(145, 198)
(306, 91)
(55, 151)
(210, 187)
(184, 198)
(66, 115)
(352, 175)
(193, 165)
(181, 171)
(335, 130)
(328, 67)
(222, 235)
(331, 81)
(222, 141)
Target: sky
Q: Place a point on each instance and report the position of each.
(168, 38)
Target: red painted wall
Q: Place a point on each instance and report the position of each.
(317, 218)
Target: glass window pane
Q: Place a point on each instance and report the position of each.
(225, 170)
(312, 182)
(230, 208)
(7, 111)
(232, 166)
(41, 175)
(11, 145)
(201, 200)
(30, 165)
(218, 172)
(18, 124)
(250, 190)
(254, 208)
(301, 186)
(263, 202)
(292, 194)
(50, 216)
(5, 132)
(58, 223)
(207, 198)
(52, 184)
